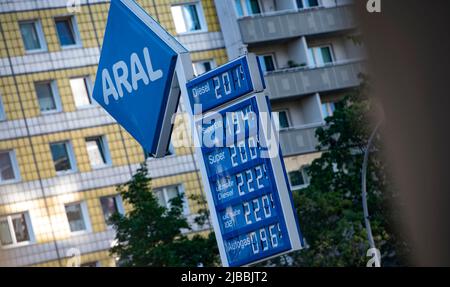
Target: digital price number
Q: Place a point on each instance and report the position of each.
(221, 85)
(243, 187)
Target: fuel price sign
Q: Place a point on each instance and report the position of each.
(247, 189)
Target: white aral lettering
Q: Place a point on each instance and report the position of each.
(121, 72)
(108, 87)
(121, 79)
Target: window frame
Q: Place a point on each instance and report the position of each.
(55, 94)
(84, 215)
(71, 156)
(40, 35)
(245, 4)
(180, 189)
(288, 117)
(201, 17)
(15, 167)
(274, 60)
(96, 263)
(29, 226)
(305, 178)
(119, 203)
(75, 31)
(319, 4)
(89, 88)
(106, 152)
(317, 49)
(328, 107)
(212, 62)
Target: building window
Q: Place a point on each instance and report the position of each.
(166, 194)
(9, 170)
(247, 7)
(91, 264)
(62, 157)
(32, 36)
(98, 151)
(15, 230)
(301, 4)
(321, 55)
(298, 178)
(201, 67)
(283, 119)
(188, 18)
(67, 31)
(77, 217)
(328, 109)
(47, 96)
(267, 62)
(2, 110)
(81, 91)
(110, 206)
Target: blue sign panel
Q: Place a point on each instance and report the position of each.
(135, 72)
(243, 186)
(223, 84)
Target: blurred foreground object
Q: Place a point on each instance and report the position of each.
(408, 46)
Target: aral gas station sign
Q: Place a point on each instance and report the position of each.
(134, 82)
(142, 72)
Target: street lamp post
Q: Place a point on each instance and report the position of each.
(364, 195)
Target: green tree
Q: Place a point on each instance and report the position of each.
(330, 208)
(151, 235)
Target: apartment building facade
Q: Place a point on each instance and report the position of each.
(310, 60)
(61, 155)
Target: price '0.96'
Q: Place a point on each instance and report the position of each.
(261, 241)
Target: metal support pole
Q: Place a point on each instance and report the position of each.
(364, 188)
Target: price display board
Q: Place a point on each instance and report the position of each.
(248, 193)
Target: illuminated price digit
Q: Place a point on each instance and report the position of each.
(255, 245)
(247, 212)
(233, 156)
(266, 206)
(263, 236)
(252, 147)
(239, 72)
(226, 83)
(236, 123)
(249, 180)
(265, 170)
(259, 176)
(256, 209)
(240, 181)
(273, 236)
(242, 151)
(280, 234)
(216, 82)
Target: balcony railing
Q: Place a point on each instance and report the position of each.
(301, 81)
(294, 23)
(299, 140)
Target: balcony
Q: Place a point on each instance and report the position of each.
(301, 81)
(294, 23)
(300, 140)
